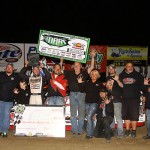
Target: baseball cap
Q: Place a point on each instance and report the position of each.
(112, 65)
(103, 90)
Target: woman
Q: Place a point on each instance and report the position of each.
(91, 88)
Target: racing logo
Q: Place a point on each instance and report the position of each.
(128, 81)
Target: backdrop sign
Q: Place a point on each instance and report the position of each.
(43, 121)
(57, 45)
(11, 52)
(120, 54)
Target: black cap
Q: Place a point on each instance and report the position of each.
(112, 65)
(103, 90)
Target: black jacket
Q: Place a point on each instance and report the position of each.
(7, 85)
(109, 109)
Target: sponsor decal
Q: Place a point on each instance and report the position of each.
(128, 81)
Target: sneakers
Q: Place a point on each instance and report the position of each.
(133, 134)
(127, 133)
(146, 137)
(4, 134)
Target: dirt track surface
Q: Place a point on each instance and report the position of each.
(74, 143)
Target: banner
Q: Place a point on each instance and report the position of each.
(100, 58)
(57, 45)
(120, 54)
(43, 121)
(12, 52)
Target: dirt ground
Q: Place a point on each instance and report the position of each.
(74, 143)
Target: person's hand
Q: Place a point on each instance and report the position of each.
(146, 81)
(53, 80)
(107, 101)
(16, 91)
(116, 77)
(93, 53)
(41, 64)
(80, 79)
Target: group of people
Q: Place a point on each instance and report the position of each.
(89, 98)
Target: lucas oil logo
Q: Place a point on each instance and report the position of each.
(9, 53)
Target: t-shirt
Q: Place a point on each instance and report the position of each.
(72, 79)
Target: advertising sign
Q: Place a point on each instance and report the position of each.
(12, 52)
(120, 54)
(57, 45)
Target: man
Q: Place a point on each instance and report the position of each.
(35, 76)
(132, 86)
(8, 82)
(114, 86)
(77, 99)
(57, 85)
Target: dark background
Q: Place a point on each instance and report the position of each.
(106, 22)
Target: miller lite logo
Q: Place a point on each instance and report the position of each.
(9, 53)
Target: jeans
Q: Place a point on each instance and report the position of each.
(90, 111)
(5, 109)
(55, 100)
(118, 116)
(148, 121)
(77, 110)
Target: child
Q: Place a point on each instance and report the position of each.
(105, 116)
(22, 94)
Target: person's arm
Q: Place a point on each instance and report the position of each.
(61, 64)
(91, 67)
(116, 78)
(23, 75)
(47, 74)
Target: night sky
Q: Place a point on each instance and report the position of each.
(105, 22)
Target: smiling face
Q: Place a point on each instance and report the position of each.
(22, 84)
(102, 94)
(9, 69)
(57, 69)
(36, 71)
(94, 75)
(129, 67)
(111, 70)
(77, 66)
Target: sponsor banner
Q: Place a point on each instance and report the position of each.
(100, 58)
(43, 121)
(120, 54)
(12, 52)
(57, 45)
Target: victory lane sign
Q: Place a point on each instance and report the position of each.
(59, 45)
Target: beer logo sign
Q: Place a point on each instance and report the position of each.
(9, 53)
